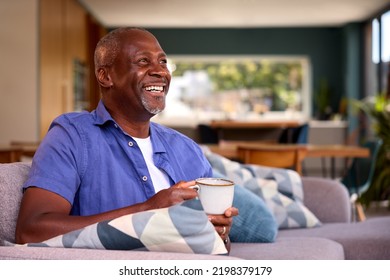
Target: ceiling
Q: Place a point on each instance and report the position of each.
(231, 13)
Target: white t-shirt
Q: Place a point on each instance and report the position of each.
(159, 178)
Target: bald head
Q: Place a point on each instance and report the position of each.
(108, 47)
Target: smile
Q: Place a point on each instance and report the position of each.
(154, 88)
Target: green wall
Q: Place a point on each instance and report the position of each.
(324, 46)
(353, 68)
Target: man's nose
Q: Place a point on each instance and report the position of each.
(159, 70)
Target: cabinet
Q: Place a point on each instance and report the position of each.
(325, 133)
(66, 59)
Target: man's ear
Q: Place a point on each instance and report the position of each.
(104, 78)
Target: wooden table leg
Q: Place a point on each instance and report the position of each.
(323, 165)
(360, 212)
(333, 167)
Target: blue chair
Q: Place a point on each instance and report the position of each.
(359, 176)
(207, 134)
(295, 135)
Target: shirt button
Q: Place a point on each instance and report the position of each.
(144, 178)
(130, 144)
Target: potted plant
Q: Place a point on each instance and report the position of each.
(377, 109)
(322, 100)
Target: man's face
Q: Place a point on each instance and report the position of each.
(140, 76)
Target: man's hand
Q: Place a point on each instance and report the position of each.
(223, 224)
(173, 195)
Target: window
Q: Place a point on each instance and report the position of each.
(234, 87)
(380, 52)
(385, 34)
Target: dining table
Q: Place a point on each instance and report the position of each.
(266, 123)
(228, 149)
(336, 151)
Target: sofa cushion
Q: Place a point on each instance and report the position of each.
(12, 176)
(368, 240)
(281, 189)
(335, 206)
(183, 228)
(42, 253)
(285, 248)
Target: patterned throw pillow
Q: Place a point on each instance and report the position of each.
(281, 189)
(183, 228)
(255, 222)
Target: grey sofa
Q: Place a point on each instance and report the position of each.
(336, 239)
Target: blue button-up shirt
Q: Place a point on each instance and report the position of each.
(91, 162)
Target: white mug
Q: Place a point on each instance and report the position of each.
(215, 194)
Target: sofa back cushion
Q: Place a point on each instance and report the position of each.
(12, 177)
(327, 199)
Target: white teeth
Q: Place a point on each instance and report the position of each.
(154, 88)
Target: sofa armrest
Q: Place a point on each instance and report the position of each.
(12, 177)
(327, 199)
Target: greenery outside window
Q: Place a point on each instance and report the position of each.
(240, 86)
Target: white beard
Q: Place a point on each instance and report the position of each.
(150, 109)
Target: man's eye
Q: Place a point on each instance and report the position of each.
(143, 60)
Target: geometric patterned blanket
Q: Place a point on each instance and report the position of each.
(181, 228)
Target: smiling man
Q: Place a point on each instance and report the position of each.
(99, 165)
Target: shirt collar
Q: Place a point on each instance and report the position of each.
(102, 115)
(157, 143)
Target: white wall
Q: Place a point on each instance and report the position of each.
(19, 70)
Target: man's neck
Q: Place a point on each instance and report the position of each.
(133, 125)
(139, 129)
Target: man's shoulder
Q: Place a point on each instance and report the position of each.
(75, 118)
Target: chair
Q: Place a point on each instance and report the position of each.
(281, 156)
(207, 134)
(359, 176)
(295, 135)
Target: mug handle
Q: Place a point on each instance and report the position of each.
(195, 187)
